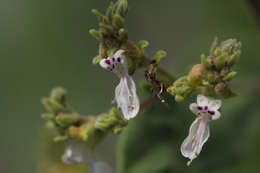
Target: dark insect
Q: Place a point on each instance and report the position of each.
(157, 86)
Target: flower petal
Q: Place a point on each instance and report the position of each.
(214, 104)
(126, 97)
(119, 53)
(198, 135)
(76, 153)
(187, 147)
(194, 108)
(216, 115)
(202, 100)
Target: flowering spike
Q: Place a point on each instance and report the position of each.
(205, 110)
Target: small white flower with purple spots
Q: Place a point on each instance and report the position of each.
(125, 92)
(206, 110)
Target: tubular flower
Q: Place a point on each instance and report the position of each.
(205, 110)
(125, 92)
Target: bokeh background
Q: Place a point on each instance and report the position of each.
(44, 44)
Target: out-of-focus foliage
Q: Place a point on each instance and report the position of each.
(44, 44)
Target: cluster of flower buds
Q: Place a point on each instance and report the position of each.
(219, 64)
(111, 33)
(71, 125)
(212, 75)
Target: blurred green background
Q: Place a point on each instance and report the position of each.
(45, 43)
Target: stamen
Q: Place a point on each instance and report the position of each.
(119, 59)
(189, 163)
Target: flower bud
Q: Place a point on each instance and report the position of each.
(97, 59)
(98, 14)
(118, 21)
(159, 55)
(222, 89)
(220, 61)
(123, 34)
(107, 28)
(48, 116)
(195, 76)
(52, 106)
(230, 76)
(204, 61)
(233, 58)
(213, 46)
(179, 98)
(210, 61)
(64, 120)
(59, 95)
(225, 71)
(213, 76)
(122, 7)
(96, 34)
(78, 132)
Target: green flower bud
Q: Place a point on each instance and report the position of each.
(159, 55)
(142, 44)
(210, 61)
(122, 7)
(59, 95)
(52, 106)
(195, 76)
(179, 98)
(96, 59)
(96, 34)
(220, 61)
(225, 71)
(204, 61)
(48, 116)
(110, 10)
(230, 76)
(213, 76)
(107, 28)
(98, 14)
(222, 89)
(213, 46)
(217, 52)
(123, 34)
(233, 58)
(118, 21)
(64, 120)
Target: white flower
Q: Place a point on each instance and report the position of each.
(206, 110)
(76, 153)
(125, 92)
